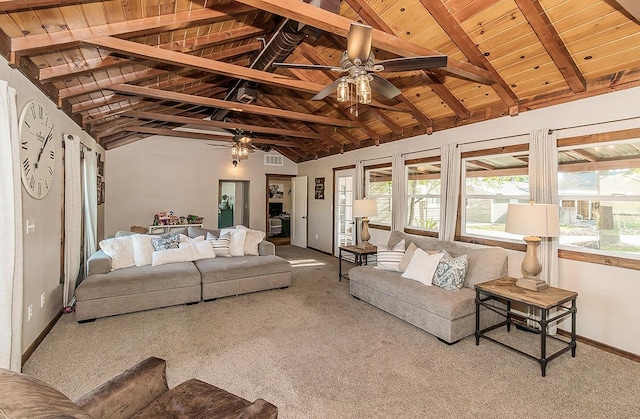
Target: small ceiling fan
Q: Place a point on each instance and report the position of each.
(358, 61)
(240, 146)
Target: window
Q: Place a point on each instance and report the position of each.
(379, 187)
(599, 198)
(423, 196)
(491, 183)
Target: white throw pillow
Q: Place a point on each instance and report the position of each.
(200, 249)
(253, 239)
(120, 250)
(389, 259)
(186, 239)
(422, 267)
(237, 237)
(142, 249)
(162, 257)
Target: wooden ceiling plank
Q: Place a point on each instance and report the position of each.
(550, 39)
(131, 27)
(419, 116)
(194, 62)
(368, 14)
(330, 22)
(233, 106)
(382, 117)
(79, 67)
(83, 89)
(221, 124)
(453, 28)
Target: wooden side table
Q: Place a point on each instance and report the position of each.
(360, 254)
(505, 290)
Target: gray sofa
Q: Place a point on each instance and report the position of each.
(448, 315)
(105, 292)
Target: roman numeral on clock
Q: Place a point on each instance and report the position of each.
(26, 166)
(52, 154)
(25, 145)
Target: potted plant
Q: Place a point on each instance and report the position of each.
(224, 203)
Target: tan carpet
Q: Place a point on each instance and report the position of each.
(316, 352)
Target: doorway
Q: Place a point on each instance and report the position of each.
(344, 195)
(279, 209)
(233, 203)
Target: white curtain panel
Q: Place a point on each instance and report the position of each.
(72, 216)
(399, 200)
(543, 182)
(450, 190)
(90, 188)
(11, 268)
(358, 186)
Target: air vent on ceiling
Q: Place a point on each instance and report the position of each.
(246, 94)
(273, 160)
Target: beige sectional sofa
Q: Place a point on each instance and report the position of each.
(107, 292)
(448, 315)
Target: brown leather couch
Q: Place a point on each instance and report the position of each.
(139, 392)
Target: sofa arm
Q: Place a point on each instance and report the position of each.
(260, 409)
(98, 263)
(266, 248)
(128, 393)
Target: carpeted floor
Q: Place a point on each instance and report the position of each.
(316, 352)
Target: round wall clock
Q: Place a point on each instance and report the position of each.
(37, 149)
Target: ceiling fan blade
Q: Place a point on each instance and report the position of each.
(327, 90)
(304, 66)
(359, 42)
(384, 87)
(414, 63)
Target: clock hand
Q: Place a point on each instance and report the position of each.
(44, 144)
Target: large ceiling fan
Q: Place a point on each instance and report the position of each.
(358, 61)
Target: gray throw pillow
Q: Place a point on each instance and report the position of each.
(451, 272)
(162, 243)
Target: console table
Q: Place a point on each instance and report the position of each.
(506, 291)
(167, 228)
(360, 254)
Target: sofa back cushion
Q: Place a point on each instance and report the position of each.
(485, 262)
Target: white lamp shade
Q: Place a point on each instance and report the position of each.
(541, 220)
(365, 208)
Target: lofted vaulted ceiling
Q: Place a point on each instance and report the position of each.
(125, 70)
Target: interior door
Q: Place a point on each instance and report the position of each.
(299, 213)
(344, 228)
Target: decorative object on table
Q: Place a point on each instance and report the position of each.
(365, 208)
(319, 188)
(534, 221)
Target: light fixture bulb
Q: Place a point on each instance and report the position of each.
(363, 90)
(342, 92)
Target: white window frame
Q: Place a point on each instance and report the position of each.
(374, 220)
(408, 196)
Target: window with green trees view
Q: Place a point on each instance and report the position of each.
(423, 196)
(380, 188)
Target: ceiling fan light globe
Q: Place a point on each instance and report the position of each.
(342, 92)
(363, 90)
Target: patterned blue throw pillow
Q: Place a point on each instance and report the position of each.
(451, 272)
(167, 243)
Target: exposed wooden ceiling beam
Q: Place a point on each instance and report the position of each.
(330, 22)
(15, 5)
(452, 27)
(586, 155)
(202, 136)
(161, 23)
(419, 116)
(204, 64)
(219, 124)
(550, 39)
(365, 11)
(233, 106)
(382, 117)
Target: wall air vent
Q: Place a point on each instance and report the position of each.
(273, 160)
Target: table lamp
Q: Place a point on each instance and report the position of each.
(365, 208)
(533, 221)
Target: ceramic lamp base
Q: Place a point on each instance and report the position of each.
(532, 284)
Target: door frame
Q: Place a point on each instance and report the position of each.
(268, 177)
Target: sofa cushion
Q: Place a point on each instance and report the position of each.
(220, 244)
(446, 304)
(253, 239)
(422, 267)
(120, 250)
(165, 243)
(143, 249)
(389, 258)
(138, 280)
(194, 232)
(237, 238)
(225, 269)
(24, 396)
(163, 257)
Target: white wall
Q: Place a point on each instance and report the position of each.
(179, 175)
(606, 294)
(42, 247)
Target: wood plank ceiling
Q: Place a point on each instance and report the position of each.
(125, 70)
